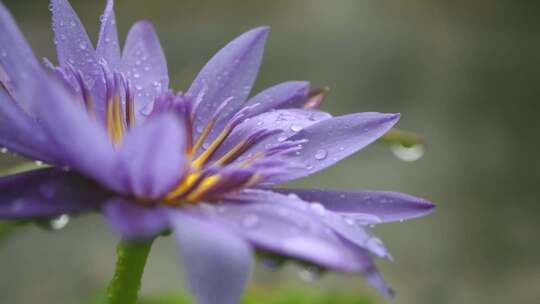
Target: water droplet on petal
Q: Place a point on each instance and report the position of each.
(310, 273)
(318, 208)
(38, 163)
(321, 154)
(282, 138)
(59, 222)
(82, 46)
(408, 154)
(296, 128)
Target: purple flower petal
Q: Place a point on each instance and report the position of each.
(144, 64)
(108, 46)
(289, 121)
(21, 134)
(47, 193)
(17, 61)
(78, 140)
(290, 94)
(376, 280)
(131, 221)
(331, 140)
(73, 46)
(384, 205)
(227, 77)
(152, 156)
(271, 222)
(338, 225)
(217, 263)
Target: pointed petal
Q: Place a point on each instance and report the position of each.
(47, 193)
(17, 61)
(332, 222)
(144, 63)
(385, 205)
(130, 220)
(331, 140)
(152, 156)
(21, 134)
(229, 75)
(73, 46)
(108, 46)
(68, 127)
(375, 279)
(290, 94)
(217, 264)
(281, 225)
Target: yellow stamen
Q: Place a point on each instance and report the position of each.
(203, 136)
(201, 160)
(115, 122)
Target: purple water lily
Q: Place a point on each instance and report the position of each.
(201, 163)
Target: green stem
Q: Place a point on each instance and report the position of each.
(125, 285)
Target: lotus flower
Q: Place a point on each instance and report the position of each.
(202, 164)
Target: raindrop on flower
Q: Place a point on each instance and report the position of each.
(38, 163)
(296, 128)
(318, 208)
(59, 222)
(321, 154)
(408, 154)
(4, 150)
(310, 273)
(282, 138)
(82, 46)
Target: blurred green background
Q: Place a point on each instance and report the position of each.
(463, 73)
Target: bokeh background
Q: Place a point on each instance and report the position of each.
(463, 73)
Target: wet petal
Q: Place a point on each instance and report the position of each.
(331, 140)
(17, 61)
(290, 94)
(21, 134)
(217, 263)
(108, 46)
(385, 205)
(69, 128)
(152, 156)
(289, 121)
(144, 64)
(228, 76)
(47, 193)
(73, 46)
(130, 220)
(271, 222)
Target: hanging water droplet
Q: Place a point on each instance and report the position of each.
(59, 222)
(408, 154)
(310, 273)
(250, 221)
(296, 128)
(4, 150)
(38, 163)
(401, 220)
(317, 208)
(321, 154)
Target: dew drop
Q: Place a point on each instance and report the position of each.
(282, 138)
(4, 150)
(250, 221)
(59, 222)
(259, 123)
(321, 154)
(310, 273)
(38, 163)
(408, 154)
(137, 75)
(317, 208)
(82, 46)
(296, 128)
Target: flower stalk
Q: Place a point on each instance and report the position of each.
(126, 282)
